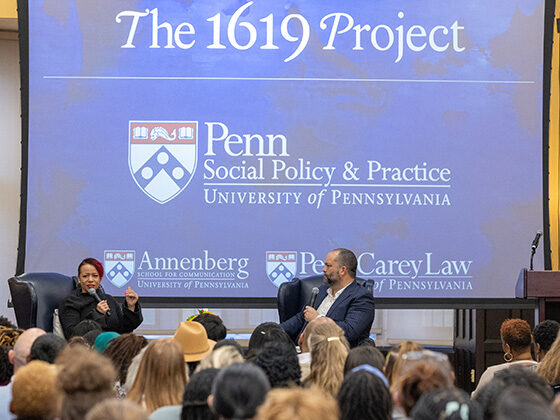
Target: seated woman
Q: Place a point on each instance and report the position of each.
(516, 344)
(81, 305)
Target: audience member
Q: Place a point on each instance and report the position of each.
(489, 393)
(161, 376)
(112, 409)
(35, 394)
(90, 337)
(18, 357)
(420, 377)
(265, 333)
(544, 335)
(238, 391)
(195, 398)
(304, 357)
(299, 404)
(121, 350)
(80, 341)
(133, 370)
(47, 347)
(230, 342)
(192, 338)
(85, 326)
(329, 349)
(102, 341)
(86, 378)
(220, 358)
(364, 394)
(9, 336)
(517, 403)
(279, 362)
(516, 344)
(446, 404)
(213, 324)
(394, 360)
(364, 355)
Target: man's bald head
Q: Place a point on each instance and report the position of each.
(302, 341)
(20, 353)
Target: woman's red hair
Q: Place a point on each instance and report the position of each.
(517, 333)
(92, 261)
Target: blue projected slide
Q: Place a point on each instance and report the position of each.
(216, 149)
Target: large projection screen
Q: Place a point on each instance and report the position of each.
(211, 150)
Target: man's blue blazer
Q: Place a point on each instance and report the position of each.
(353, 311)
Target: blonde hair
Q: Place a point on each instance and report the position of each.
(329, 349)
(161, 376)
(113, 409)
(298, 404)
(220, 358)
(549, 367)
(396, 371)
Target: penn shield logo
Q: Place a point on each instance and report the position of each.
(162, 156)
(281, 266)
(119, 266)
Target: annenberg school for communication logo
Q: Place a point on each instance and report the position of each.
(119, 266)
(281, 266)
(162, 156)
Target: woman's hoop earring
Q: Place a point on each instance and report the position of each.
(508, 357)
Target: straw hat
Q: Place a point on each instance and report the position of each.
(193, 339)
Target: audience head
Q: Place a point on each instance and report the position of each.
(394, 360)
(230, 342)
(364, 394)
(544, 335)
(213, 324)
(194, 342)
(86, 378)
(280, 363)
(133, 370)
(79, 341)
(520, 376)
(35, 393)
(103, 340)
(517, 403)
(5, 322)
(329, 350)
(304, 336)
(549, 367)
(298, 404)
(446, 404)
(19, 355)
(161, 376)
(47, 347)
(364, 355)
(85, 326)
(195, 398)
(121, 350)
(9, 336)
(265, 333)
(238, 391)
(516, 337)
(421, 377)
(220, 358)
(113, 409)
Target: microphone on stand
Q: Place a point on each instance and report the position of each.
(314, 293)
(93, 293)
(534, 246)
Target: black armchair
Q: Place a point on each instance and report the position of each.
(294, 295)
(35, 296)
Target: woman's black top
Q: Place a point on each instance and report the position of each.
(79, 306)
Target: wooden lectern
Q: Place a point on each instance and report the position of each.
(545, 287)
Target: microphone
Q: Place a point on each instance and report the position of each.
(536, 240)
(93, 293)
(314, 293)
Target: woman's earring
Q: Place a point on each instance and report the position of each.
(508, 357)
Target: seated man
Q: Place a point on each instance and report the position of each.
(343, 300)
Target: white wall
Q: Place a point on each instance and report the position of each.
(392, 326)
(10, 163)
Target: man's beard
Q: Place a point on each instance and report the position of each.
(329, 280)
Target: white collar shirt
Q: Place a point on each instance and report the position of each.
(329, 300)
